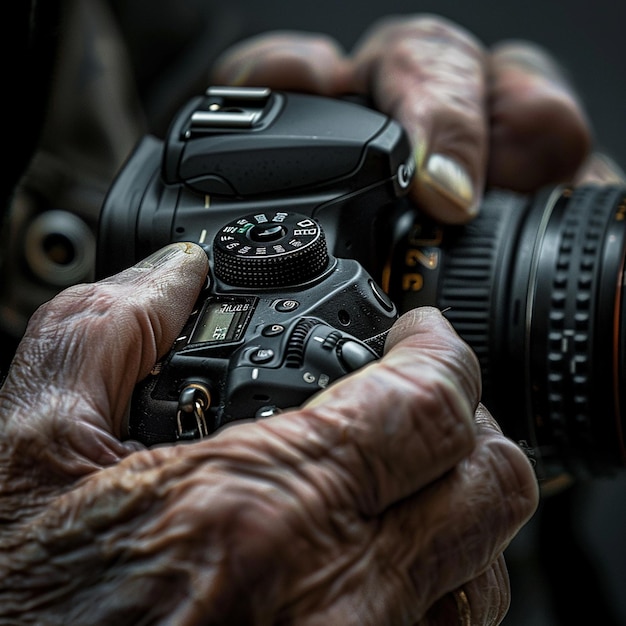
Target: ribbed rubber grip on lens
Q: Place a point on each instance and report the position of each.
(474, 276)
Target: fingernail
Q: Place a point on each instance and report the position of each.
(162, 256)
(450, 179)
(422, 319)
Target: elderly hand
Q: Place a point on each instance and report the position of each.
(388, 499)
(504, 117)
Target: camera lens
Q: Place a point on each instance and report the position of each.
(536, 286)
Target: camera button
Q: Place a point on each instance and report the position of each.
(286, 306)
(354, 355)
(262, 355)
(273, 330)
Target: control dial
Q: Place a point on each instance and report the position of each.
(270, 249)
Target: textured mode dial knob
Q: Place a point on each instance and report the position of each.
(270, 249)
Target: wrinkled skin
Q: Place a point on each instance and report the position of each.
(371, 505)
(366, 506)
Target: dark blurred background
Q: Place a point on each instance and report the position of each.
(569, 564)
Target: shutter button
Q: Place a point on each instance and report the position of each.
(354, 355)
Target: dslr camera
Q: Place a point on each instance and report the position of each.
(282, 188)
(314, 248)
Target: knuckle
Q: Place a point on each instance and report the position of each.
(464, 366)
(518, 479)
(510, 493)
(442, 29)
(76, 301)
(432, 28)
(431, 424)
(64, 324)
(444, 410)
(424, 28)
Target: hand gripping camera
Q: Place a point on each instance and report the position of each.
(268, 332)
(535, 284)
(285, 189)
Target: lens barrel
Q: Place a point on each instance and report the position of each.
(536, 286)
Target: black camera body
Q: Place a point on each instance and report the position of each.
(238, 151)
(535, 284)
(268, 332)
(286, 191)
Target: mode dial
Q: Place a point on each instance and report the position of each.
(270, 249)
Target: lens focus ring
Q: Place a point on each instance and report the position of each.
(579, 319)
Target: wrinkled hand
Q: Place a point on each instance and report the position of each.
(504, 117)
(370, 505)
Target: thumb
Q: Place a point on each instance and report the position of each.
(74, 372)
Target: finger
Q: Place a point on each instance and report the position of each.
(459, 526)
(600, 169)
(539, 132)
(286, 60)
(430, 75)
(328, 470)
(472, 515)
(83, 352)
(397, 425)
(488, 595)
(449, 535)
